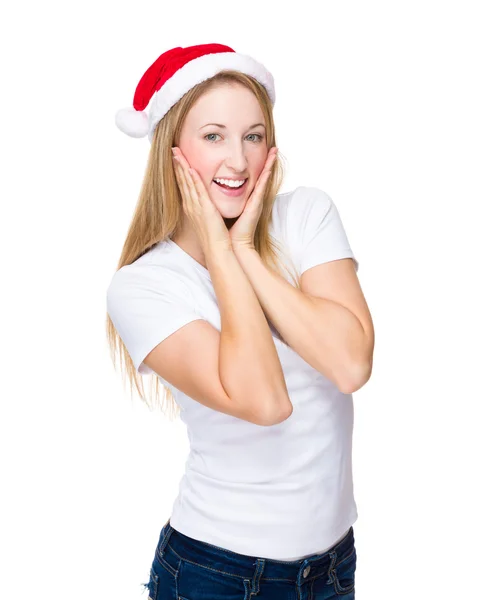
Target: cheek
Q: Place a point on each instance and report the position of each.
(198, 161)
(257, 169)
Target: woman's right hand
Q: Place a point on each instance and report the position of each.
(199, 208)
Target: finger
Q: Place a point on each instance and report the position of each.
(192, 184)
(272, 156)
(202, 194)
(267, 169)
(185, 193)
(179, 176)
(187, 178)
(195, 183)
(257, 194)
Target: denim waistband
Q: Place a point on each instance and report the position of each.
(174, 547)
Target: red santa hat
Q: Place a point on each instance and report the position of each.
(174, 73)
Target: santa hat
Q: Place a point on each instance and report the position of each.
(174, 73)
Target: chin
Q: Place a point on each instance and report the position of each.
(229, 208)
(230, 213)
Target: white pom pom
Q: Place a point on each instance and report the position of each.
(132, 122)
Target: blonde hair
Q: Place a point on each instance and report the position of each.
(158, 213)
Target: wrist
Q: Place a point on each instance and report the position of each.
(243, 247)
(215, 252)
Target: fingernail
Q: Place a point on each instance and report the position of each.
(174, 151)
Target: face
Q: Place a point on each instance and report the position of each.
(236, 151)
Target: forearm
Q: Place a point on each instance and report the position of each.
(325, 334)
(249, 367)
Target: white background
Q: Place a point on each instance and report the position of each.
(378, 105)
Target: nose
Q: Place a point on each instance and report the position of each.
(236, 159)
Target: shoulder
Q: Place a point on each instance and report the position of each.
(302, 200)
(154, 273)
(297, 210)
(127, 277)
(308, 198)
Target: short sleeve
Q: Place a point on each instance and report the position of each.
(321, 236)
(146, 309)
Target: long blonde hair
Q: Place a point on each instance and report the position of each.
(158, 213)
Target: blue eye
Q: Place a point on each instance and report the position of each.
(260, 137)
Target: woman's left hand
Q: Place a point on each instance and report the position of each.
(243, 231)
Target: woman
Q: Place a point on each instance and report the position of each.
(261, 362)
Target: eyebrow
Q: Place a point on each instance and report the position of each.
(224, 126)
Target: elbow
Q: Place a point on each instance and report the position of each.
(276, 416)
(356, 379)
(360, 364)
(283, 416)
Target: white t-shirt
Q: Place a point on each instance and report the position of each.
(284, 491)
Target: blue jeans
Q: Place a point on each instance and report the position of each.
(188, 569)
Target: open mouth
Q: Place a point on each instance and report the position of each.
(229, 187)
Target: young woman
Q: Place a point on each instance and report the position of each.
(245, 305)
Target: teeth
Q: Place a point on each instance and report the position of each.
(230, 183)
